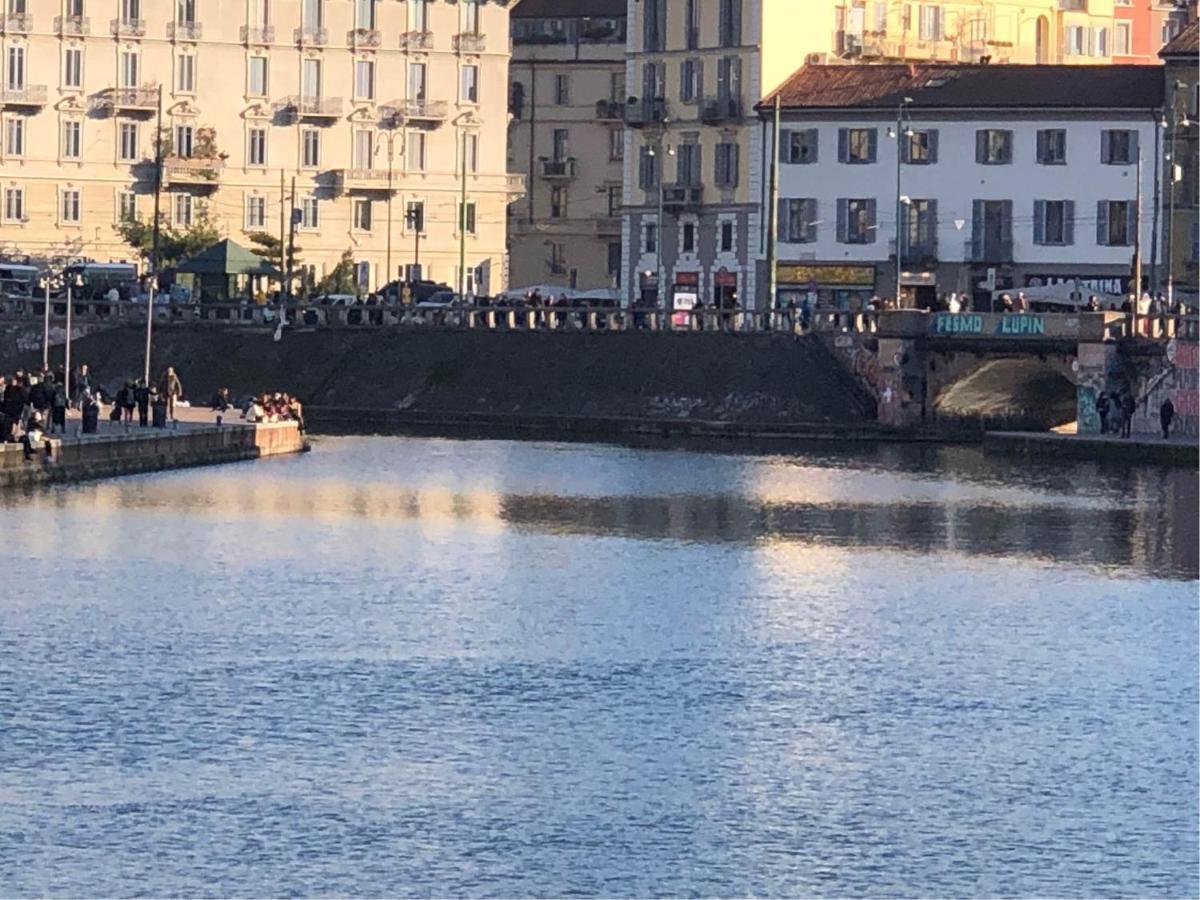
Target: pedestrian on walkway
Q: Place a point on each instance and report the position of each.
(1102, 408)
(81, 385)
(171, 390)
(1128, 405)
(1166, 414)
(58, 409)
(141, 396)
(127, 401)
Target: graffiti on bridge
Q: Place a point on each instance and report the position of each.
(1019, 325)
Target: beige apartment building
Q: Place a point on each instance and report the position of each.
(696, 169)
(567, 101)
(382, 113)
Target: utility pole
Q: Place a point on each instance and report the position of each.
(1157, 202)
(1137, 243)
(900, 197)
(282, 220)
(773, 217)
(1172, 171)
(391, 161)
(154, 260)
(660, 230)
(46, 326)
(291, 245)
(462, 223)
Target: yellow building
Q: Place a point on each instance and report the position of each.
(695, 167)
(371, 107)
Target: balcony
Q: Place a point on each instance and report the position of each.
(469, 42)
(73, 26)
(370, 38)
(715, 110)
(922, 253)
(17, 23)
(30, 95)
(609, 111)
(683, 196)
(514, 186)
(257, 36)
(987, 251)
(416, 40)
(607, 226)
(558, 169)
(190, 171)
(362, 180)
(140, 100)
(311, 37)
(314, 107)
(128, 28)
(184, 31)
(643, 113)
(429, 111)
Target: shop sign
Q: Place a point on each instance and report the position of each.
(687, 279)
(725, 278)
(834, 275)
(1092, 284)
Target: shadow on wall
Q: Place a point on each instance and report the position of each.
(1026, 394)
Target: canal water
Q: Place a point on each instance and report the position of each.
(426, 667)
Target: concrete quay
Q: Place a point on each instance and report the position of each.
(196, 440)
(1182, 450)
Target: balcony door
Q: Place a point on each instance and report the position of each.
(311, 80)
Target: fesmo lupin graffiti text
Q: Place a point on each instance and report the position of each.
(972, 323)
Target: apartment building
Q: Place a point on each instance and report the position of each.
(1181, 188)
(380, 112)
(942, 178)
(1143, 27)
(566, 135)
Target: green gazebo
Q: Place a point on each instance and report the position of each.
(226, 271)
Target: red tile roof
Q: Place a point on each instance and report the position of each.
(1186, 43)
(955, 86)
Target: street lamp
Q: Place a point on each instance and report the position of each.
(152, 285)
(76, 281)
(658, 169)
(1173, 125)
(390, 125)
(464, 121)
(44, 284)
(900, 134)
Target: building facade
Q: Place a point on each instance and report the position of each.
(1143, 27)
(982, 191)
(1181, 132)
(694, 160)
(566, 135)
(379, 113)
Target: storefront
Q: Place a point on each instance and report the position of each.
(826, 285)
(918, 290)
(684, 294)
(725, 289)
(647, 289)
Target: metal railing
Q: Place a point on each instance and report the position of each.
(27, 95)
(610, 110)
(311, 37)
(127, 27)
(184, 31)
(193, 169)
(364, 37)
(143, 98)
(263, 35)
(714, 110)
(72, 25)
(470, 42)
(17, 23)
(416, 40)
(641, 113)
(428, 110)
(325, 107)
(558, 168)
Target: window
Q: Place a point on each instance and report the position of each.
(14, 136)
(182, 210)
(930, 23)
(920, 228)
(690, 81)
(73, 67)
(729, 79)
(414, 215)
(72, 142)
(1076, 40)
(688, 240)
(418, 15)
(129, 69)
(364, 13)
(256, 147)
(131, 10)
(856, 221)
(647, 169)
(558, 202)
(310, 156)
(1054, 222)
(184, 135)
(558, 259)
(309, 212)
(1116, 223)
(993, 147)
(470, 17)
(69, 205)
(614, 258)
(691, 20)
(654, 24)
(614, 200)
(362, 214)
(920, 148)
(312, 14)
(1123, 39)
(798, 147)
(469, 84)
(257, 81)
(562, 141)
(364, 149)
(415, 157)
(687, 168)
(1052, 147)
(729, 23)
(185, 12)
(616, 145)
(127, 141)
(470, 146)
(857, 146)
(185, 73)
(364, 79)
(14, 204)
(1099, 42)
(650, 238)
(562, 89)
(14, 75)
(75, 8)
(726, 237)
(256, 211)
(727, 165)
(797, 220)
(127, 206)
(466, 216)
(991, 231)
(310, 78)
(1118, 147)
(417, 83)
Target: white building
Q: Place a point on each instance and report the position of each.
(1011, 175)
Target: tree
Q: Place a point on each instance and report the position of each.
(174, 245)
(270, 248)
(341, 280)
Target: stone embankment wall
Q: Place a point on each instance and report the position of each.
(101, 456)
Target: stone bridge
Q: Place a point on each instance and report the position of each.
(1038, 369)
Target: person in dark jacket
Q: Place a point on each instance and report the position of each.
(58, 409)
(1102, 407)
(1166, 414)
(127, 401)
(1128, 405)
(141, 396)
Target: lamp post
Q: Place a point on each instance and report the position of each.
(659, 167)
(901, 134)
(463, 121)
(44, 284)
(76, 281)
(390, 125)
(1174, 121)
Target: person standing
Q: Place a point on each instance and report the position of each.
(1102, 407)
(82, 385)
(171, 390)
(58, 409)
(141, 395)
(1128, 405)
(1166, 414)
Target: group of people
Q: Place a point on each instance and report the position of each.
(1116, 413)
(263, 408)
(35, 404)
